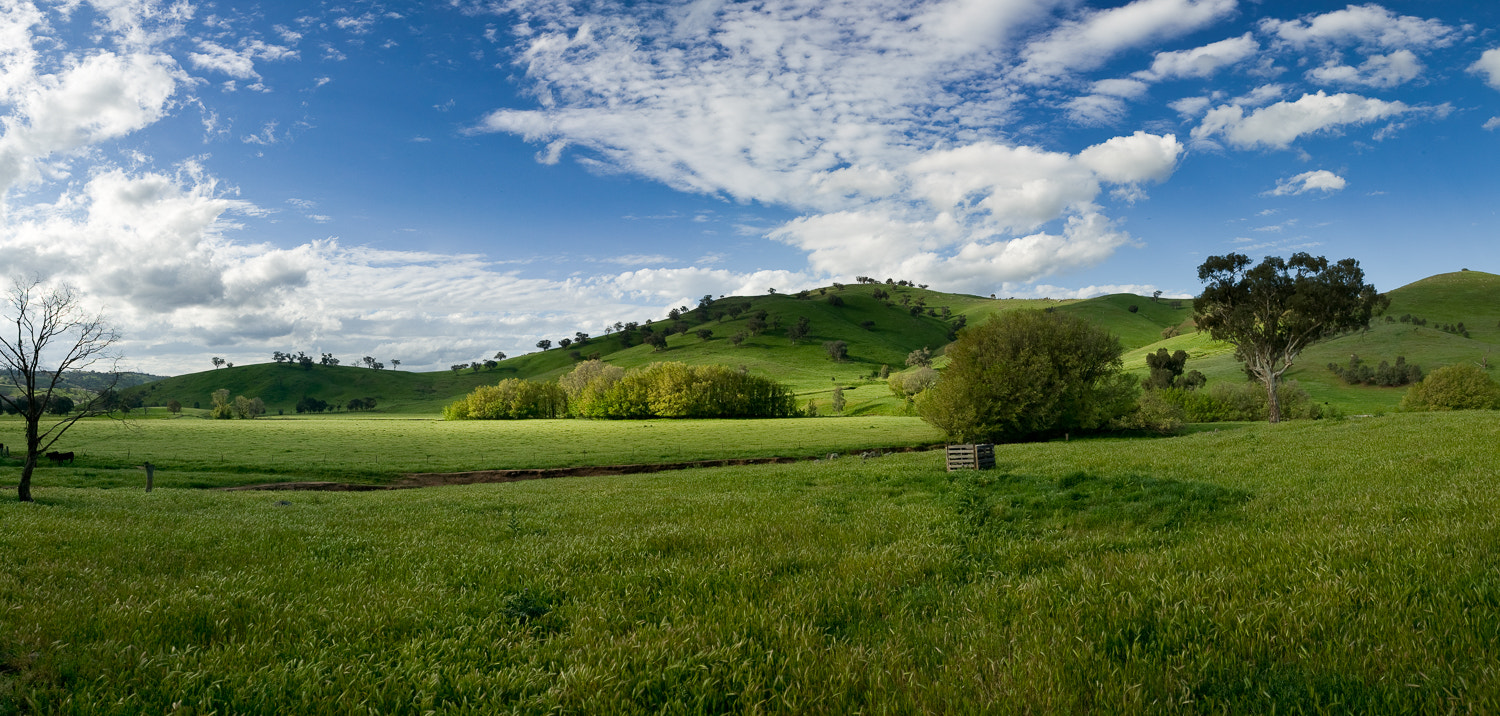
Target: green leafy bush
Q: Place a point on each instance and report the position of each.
(1453, 387)
(1025, 375)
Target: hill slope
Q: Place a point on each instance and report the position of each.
(880, 324)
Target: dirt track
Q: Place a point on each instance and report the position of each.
(436, 479)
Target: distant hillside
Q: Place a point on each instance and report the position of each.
(876, 331)
(87, 381)
(1468, 297)
(882, 332)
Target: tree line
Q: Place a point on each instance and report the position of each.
(595, 389)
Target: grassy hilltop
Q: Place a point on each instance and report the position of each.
(883, 332)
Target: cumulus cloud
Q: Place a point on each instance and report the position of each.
(1488, 65)
(1320, 180)
(93, 99)
(1086, 43)
(853, 114)
(1368, 25)
(1201, 61)
(1382, 71)
(1280, 124)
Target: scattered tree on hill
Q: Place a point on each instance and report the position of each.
(499, 355)
(838, 400)
(755, 325)
(1155, 296)
(328, 359)
(458, 367)
(174, 406)
(799, 330)
(490, 364)
(919, 357)
(737, 339)
(544, 344)
(837, 350)
(564, 342)
(395, 364)
(1165, 368)
(580, 338)
(1271, 312)
(218, 362)
(1133, 308)
(909, 384)
(1029, 374)
(60, 405)
(1170, 332)
(657, 341)
(704, 334)
(1357, 372)
(475, 366)
(885, 371)
(50, 336)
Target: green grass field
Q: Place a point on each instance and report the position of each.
(1347, 566)
(192, 452)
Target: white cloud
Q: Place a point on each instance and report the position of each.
(846, 114)
(1488, 65)
(1190, 107)
(1201, 61)
(1319, 180)
(1260, 96)
(1369, 25)
(1492, 123)
(1280, 124)
(1382, 71)
(1088, 42)
(100, 97)
(238, 63)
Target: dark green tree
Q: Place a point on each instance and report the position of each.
(1165, 368)
(1025, 375)
(1271, 312)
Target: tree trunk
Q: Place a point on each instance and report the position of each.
(33, 442)
(1273, 405)
(24, 491)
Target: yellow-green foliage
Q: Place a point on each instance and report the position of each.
(587, 385)
(678, 390)
(510, 399)
(658, 390)
(1464, 386)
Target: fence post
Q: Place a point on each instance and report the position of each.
(150, 474)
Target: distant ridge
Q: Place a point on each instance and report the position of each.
(883, 332)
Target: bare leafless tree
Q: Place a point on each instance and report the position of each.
(54, 335)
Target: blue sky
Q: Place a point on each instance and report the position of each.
(436, 182)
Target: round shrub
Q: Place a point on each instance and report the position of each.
(1453, 387)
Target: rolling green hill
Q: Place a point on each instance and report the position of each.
(1470, 297)
(882, 332)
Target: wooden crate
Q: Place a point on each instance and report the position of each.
(971, 457)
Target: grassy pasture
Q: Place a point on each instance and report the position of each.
(192, 452)
(1331, 567)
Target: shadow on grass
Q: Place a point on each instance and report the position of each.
(1019, 504)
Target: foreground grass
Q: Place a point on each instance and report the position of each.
(1318, 567)
(187, 451)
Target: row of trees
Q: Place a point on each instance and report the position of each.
(306, 361)
(595, 389)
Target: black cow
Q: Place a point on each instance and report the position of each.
(61, 457)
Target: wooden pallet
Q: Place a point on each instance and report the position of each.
(971, 457)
